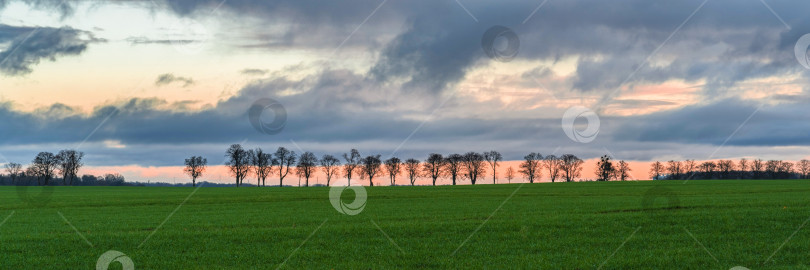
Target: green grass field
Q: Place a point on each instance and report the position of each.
(556, 226)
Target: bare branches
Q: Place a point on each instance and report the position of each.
(195, 166)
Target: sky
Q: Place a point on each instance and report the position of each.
(141, 85)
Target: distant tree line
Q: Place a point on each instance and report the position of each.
(471, 167)
(49, 169)
(729, 169)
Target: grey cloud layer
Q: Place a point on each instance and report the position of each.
(434, 44)
(27, 46)
(437, 42)
(334, 112)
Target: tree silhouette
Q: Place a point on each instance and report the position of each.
(473, 166)
(393, 166)
(371, 166)
(195, 166)
(14, 171)
(571, 167)
(283, 159)
(757, 167)
(238, 162)
(708, 169)
(531, 166)
(453, 165)
(352, 163)
(656, 170)
(306, 166)
(771, 168)
(624, 170)
(674, 168)
(262, 163)
(493, 157)
(434, 166)
(553, 164)
(689, 166)
(510, 174)
(744, 166)
(804, 168)
(331, 166)
(605, 171)
(412, 168)
(725, 167)
(69, 163)
(43, 167)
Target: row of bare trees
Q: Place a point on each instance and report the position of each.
(606, 170)
(729, 169)
(471, 166)
(47, 166)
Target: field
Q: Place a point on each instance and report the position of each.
(696, 225)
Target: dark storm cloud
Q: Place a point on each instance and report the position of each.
(27, 46)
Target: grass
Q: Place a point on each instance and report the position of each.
(557, 226)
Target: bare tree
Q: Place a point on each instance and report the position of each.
(69, 163)
(330, 166)
(674, 168)
(283, 159)
(656, 169)
(707, 168)
(689, 167)
(771, 168)
(784, 170)
(473, 166)
(510, 174)
(744, 166)
(238, 162)
(453, 165)
(195, 166)
(14, 171)
(803, 167)
(371, 166)
(624, 170)
(307, 165)
(493, 157)
(412, 168)
(393, 166)
(552, 164)
(531, 166)
(43, 167)
(605, 171)
(434, 166)
(757, 166)
(298, 173)
(262, 163)
(725, 167)
(352, 163)
(571, 167)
